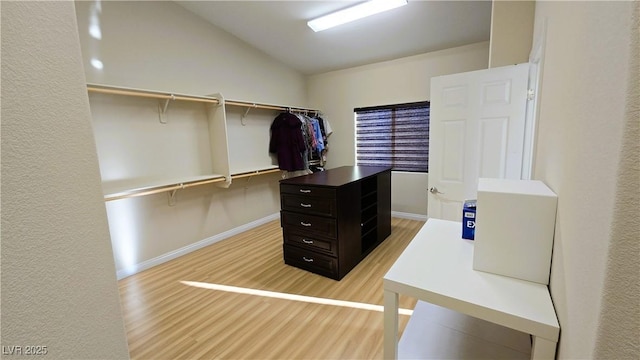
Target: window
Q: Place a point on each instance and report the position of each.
(393, 135)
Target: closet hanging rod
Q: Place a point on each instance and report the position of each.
(203, 182)
(254, 173)
(149, 94)
(163, 188)
(266, 106)
(135, 193)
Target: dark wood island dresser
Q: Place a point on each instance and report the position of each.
(333, 219)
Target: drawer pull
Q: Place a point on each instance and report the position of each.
(307, 260)
(307, 241)
(305, 191)
(304, 223)
(305, 205)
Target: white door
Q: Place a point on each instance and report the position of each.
(477, 128)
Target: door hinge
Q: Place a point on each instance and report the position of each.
(530, 94)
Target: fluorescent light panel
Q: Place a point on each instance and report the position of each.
(354, 13)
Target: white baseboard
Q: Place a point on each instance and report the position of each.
(123, 273)
(410, 216)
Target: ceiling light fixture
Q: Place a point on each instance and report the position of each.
(354, 13)
(97, 64)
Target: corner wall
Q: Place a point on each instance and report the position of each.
(59, 289)
(402, 80)
(581, 124)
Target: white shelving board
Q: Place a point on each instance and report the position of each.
(119, 188)
(436, 267)
(250, 170)
(148, 139)
(434, 332)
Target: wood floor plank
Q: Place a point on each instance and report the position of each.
(178, 310)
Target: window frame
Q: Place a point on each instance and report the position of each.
(400, 154)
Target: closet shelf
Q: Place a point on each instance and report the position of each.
(230, 160)
(123, 190)
(116, 190)
(250, 173)
(118, 90)
(268, 106)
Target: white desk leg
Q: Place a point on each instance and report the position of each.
(390, 325)
(542, 348)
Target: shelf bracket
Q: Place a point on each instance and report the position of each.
(162, 109)
(172, 197)
(243, 116)
(246, 183)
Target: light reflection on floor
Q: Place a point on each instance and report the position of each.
(294, 297)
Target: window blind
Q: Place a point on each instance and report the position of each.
(394, 135)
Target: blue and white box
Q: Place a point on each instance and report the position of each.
(469, 219)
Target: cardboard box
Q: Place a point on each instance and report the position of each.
(469, 219)
(515, 224)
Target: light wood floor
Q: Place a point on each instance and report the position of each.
(175, 311)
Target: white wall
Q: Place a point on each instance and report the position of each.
(59, 288)
(162, 46)
(511, 32)
(402, 80)
(582, 120)
(159, 45)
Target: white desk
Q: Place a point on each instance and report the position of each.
(436, 267)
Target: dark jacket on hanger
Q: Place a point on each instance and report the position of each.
(287, 142)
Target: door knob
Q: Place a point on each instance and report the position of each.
(434, 190)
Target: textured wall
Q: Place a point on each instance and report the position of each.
(58, 276)
(619, 329)
(581, 124)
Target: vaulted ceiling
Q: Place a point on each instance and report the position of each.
(279, 29)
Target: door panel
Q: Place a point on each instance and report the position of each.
(493, 147)
(496, 92)
(476, 130)
(452, 157)
(450, 209)
(455, 96)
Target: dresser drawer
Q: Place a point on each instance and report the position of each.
(313, 243)
(309, 205)
(308, 224)
(311, 261)
(302, 190)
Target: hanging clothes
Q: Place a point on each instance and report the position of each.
(319, 138)
(325, 129)
(307, 135)
(287, 142)
(300, 143)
